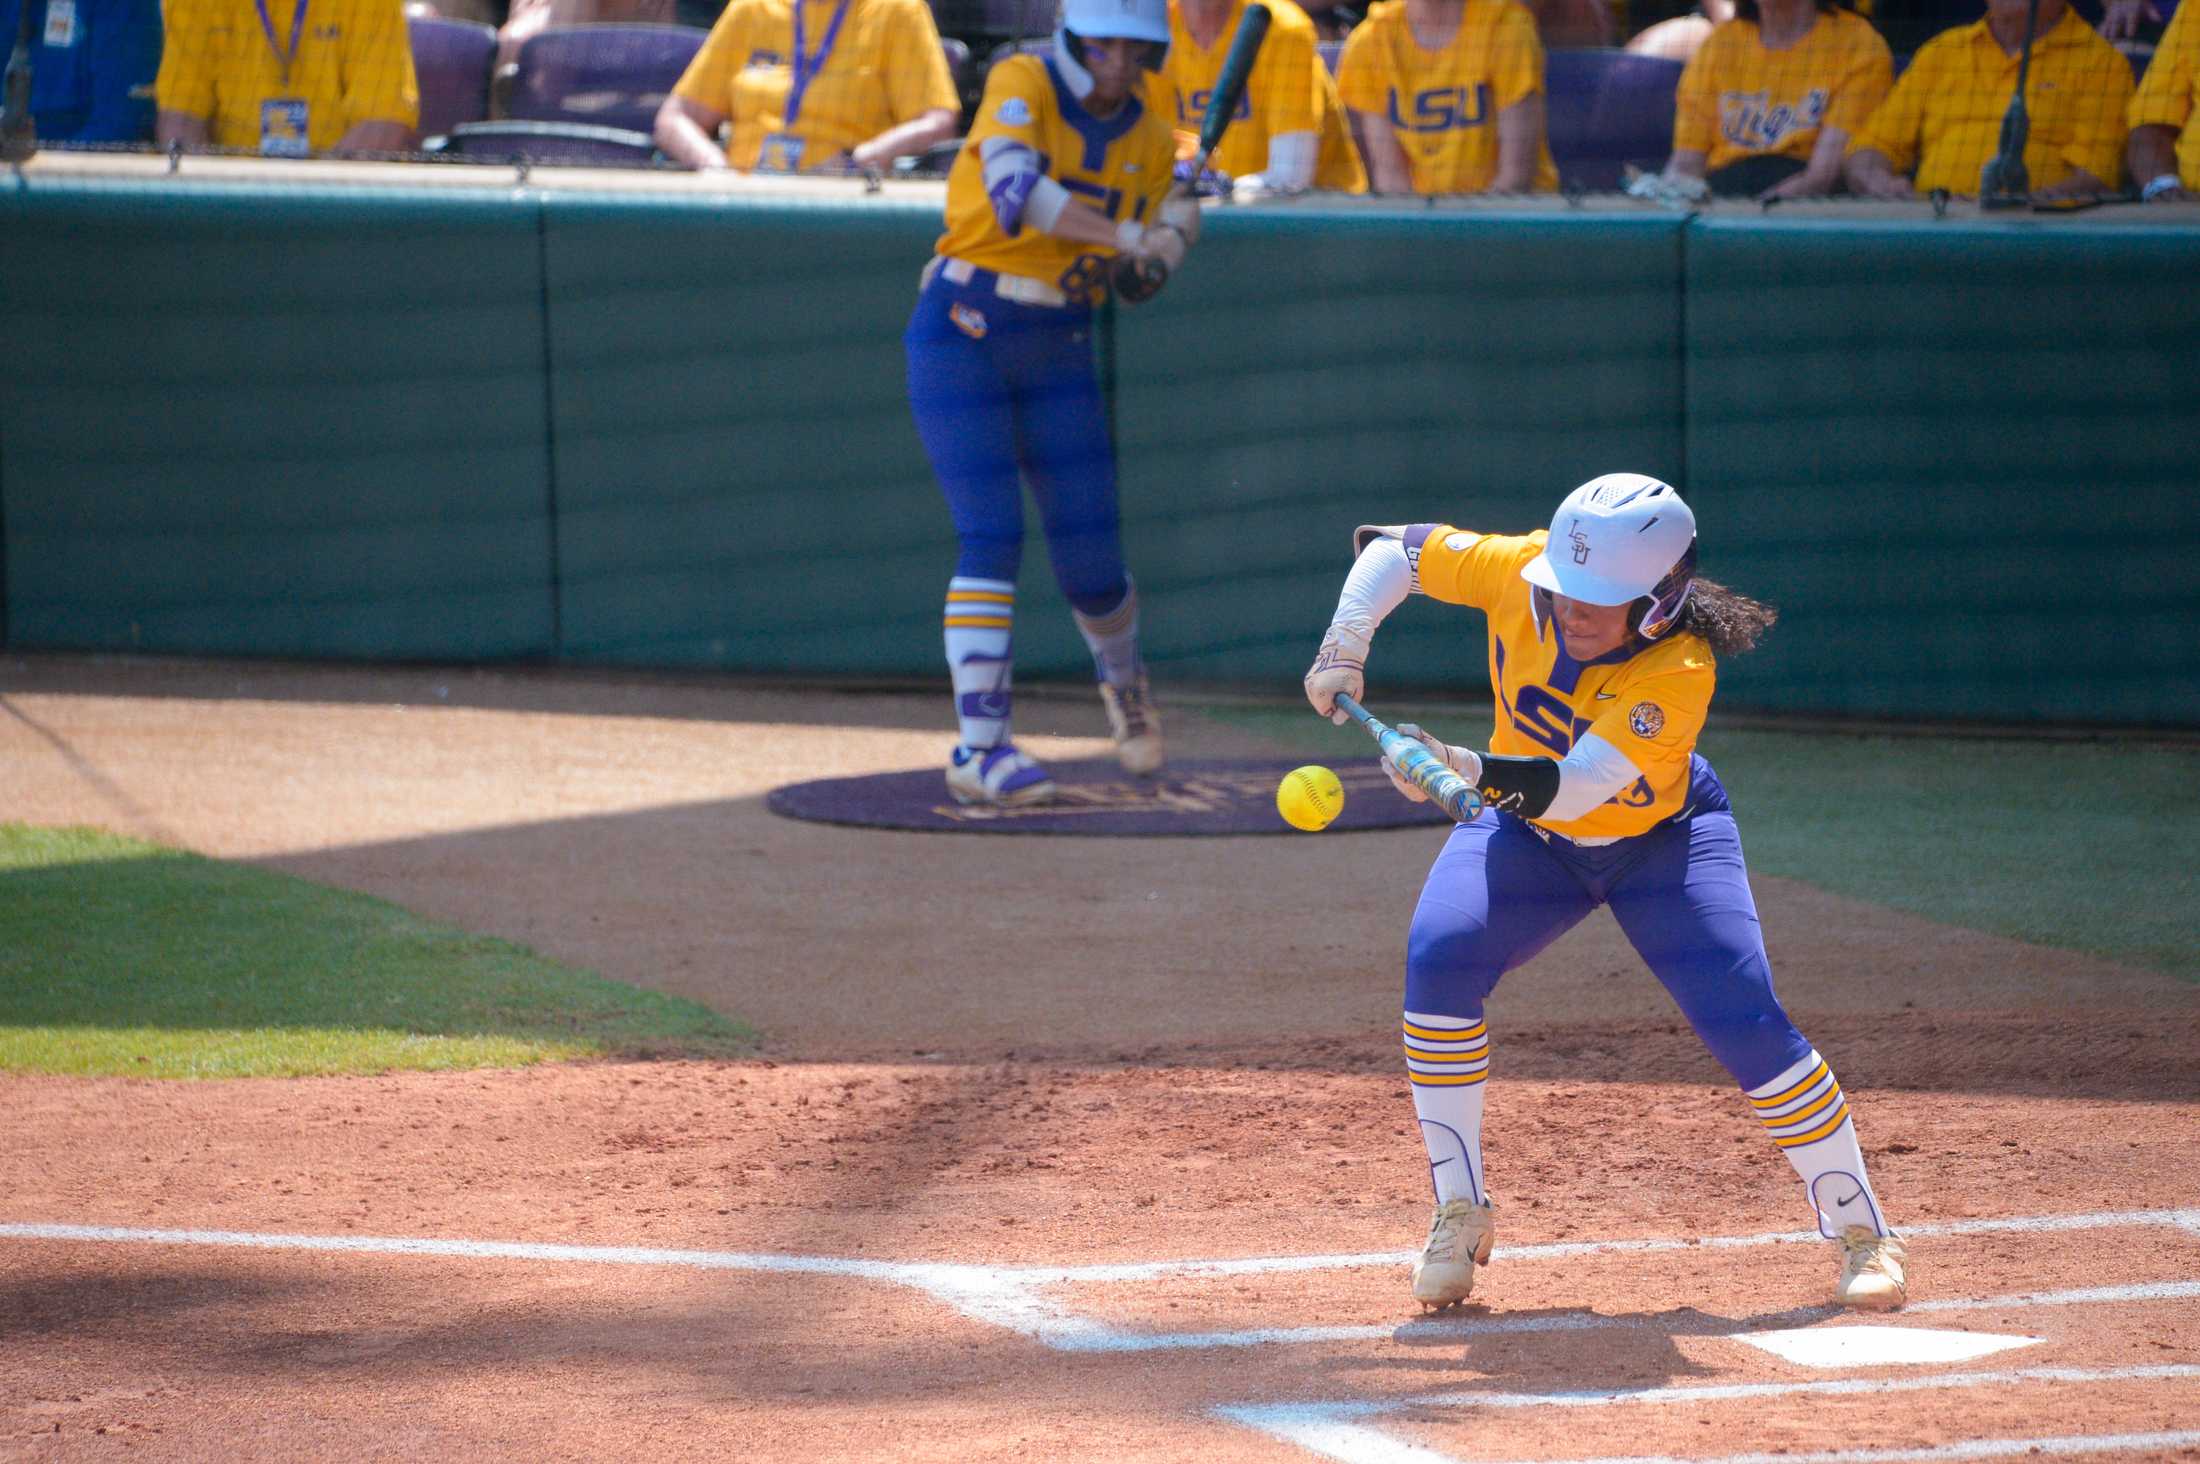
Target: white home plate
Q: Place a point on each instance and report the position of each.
(1867, 1346)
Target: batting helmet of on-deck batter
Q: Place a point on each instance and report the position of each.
(1100, 20)
(1617, 539)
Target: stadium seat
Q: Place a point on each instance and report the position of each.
(452, 59)
(548, 142)
(612, 76)
(1607, 109)
(993, 20)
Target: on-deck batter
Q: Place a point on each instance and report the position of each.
(1603, 652)
(1064, 170)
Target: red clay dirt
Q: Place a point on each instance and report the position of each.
(1009, 1052)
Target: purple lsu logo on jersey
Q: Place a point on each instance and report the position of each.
(1442, 108)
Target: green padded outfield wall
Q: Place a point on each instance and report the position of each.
(1311, 372)
(739, 480)
(661, 430)
(1962, 457)
(273, 421)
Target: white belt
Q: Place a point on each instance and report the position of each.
(1022, 289)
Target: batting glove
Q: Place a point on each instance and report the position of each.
(1206, 183)
(1340, 666)
(1463, 761)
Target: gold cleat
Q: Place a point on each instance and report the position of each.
(1459, 1239)
(1873, 1275)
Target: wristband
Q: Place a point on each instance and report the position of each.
(1129, 235)
(2158, 185)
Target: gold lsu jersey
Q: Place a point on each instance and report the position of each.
(867, 65)
(1120, 165)
(1650, 704)
(2168, 90)
(1443, 105)
(1282, 95)
(1737, 99)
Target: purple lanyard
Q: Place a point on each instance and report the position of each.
(806, 67)
(267, 28)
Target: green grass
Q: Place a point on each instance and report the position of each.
(121, 957)
(2082, 846)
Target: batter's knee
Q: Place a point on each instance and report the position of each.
(1754, 1047)
(1450, 968)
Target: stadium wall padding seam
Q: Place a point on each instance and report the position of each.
(555, 575)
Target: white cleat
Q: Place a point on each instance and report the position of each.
(1873, 1271)
(1000, 776)
(1459, 1239)
(1136, 726)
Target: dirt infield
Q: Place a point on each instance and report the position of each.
(1005, 1086)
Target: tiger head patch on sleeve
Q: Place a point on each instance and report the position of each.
(1646, 719)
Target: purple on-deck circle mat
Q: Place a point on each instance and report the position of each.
(1223, 796)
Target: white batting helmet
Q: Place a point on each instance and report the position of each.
(1099, 20)
(1139, 20)
(1617, 539)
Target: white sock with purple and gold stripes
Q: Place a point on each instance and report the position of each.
(979, 620)
(1447, 1059)
(1808, 1118)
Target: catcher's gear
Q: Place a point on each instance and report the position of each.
(1138, 277)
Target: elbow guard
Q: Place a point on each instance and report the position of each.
(1518, 785)
(1012, 175)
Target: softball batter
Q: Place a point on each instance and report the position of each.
(1603, 651)
(1060, 186)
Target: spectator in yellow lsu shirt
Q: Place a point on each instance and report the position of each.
(1274, 141)
(1768, 104)
(1943, 118)
(287, 79)
(1447, 96)
(2164, 152)
(812, 86)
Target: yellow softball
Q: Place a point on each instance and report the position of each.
(1309, 797)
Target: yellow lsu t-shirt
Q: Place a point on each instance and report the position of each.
(1337, 165)
(882, 66)
(1648, 701)
(2171, 86)
(1443, 105)
(1738, 99)
(1281, 96)
(1120, 165)
(1944, 116)
(353, 64)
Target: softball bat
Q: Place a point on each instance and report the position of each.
(1453, 794)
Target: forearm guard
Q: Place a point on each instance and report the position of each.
(1518, 785)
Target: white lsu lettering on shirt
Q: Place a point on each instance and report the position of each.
(1746, 119)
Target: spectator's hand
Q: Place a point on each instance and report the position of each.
(2120, 20)
(1252, 187)
(1674, 190)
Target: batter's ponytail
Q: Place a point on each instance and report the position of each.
(1729, 622)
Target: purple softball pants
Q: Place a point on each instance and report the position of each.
(1500, 892)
